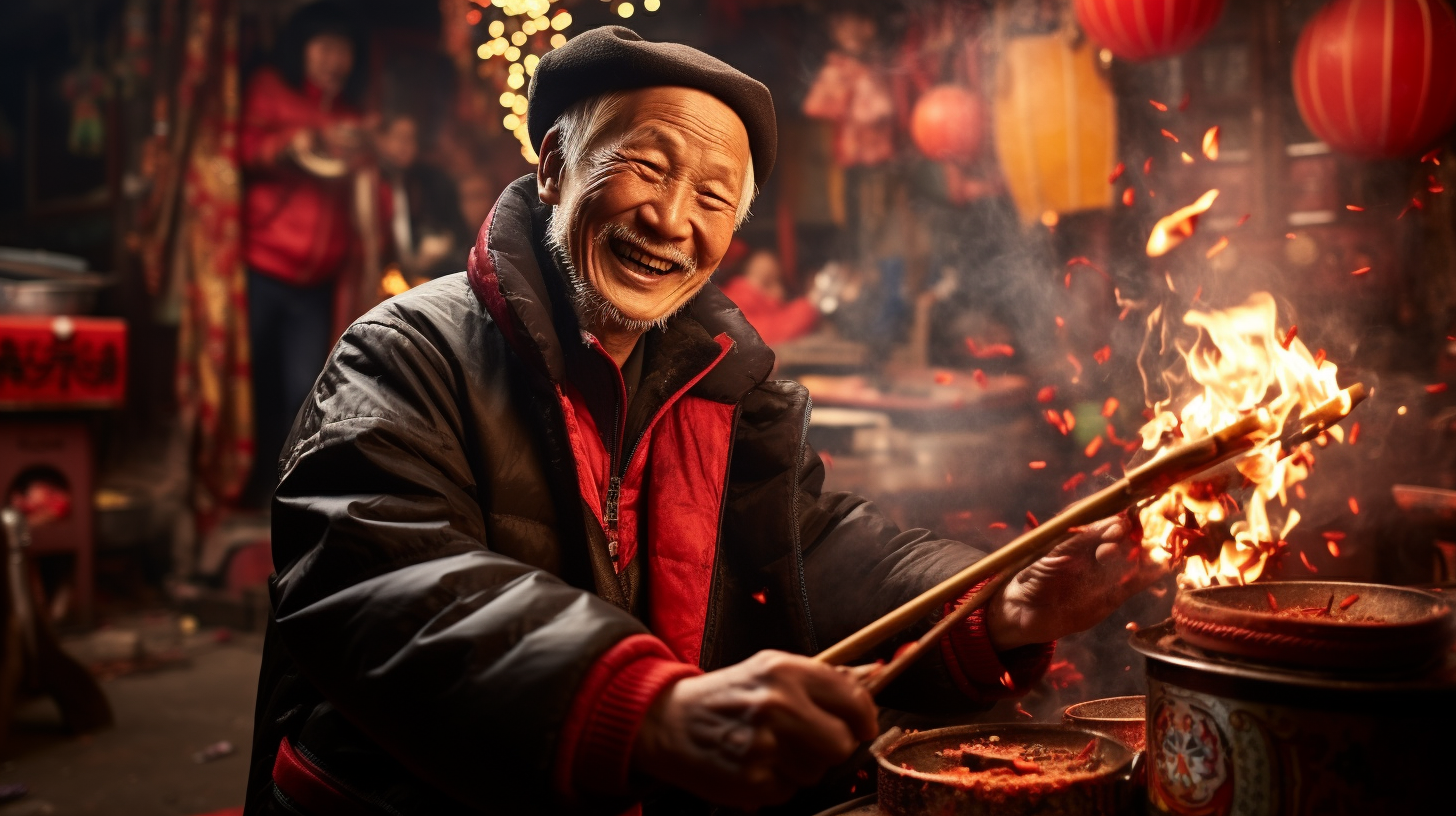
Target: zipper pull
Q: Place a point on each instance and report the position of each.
(614, 492)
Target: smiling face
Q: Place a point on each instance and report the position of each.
(648, 210)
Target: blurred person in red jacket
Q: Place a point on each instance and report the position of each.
(759, 292)
(301, 138)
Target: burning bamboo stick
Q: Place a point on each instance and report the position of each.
(1149, 479)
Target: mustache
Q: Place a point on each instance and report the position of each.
(626, 234)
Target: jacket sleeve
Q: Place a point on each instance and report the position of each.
(463, 664)
(264, 135)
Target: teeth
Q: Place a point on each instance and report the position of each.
(656, 264)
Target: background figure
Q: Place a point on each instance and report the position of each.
(759, 293)
(301, 137)
(419, 204)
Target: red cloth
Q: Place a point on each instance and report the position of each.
(775, 320)
(596, 742)
(980, 671)
(296, 226)
(312, 789)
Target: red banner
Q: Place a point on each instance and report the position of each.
(61, 362)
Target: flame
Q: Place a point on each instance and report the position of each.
(1237, 364)
(1210, 143)
(1171, 230)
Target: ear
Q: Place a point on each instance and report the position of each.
(548, 169)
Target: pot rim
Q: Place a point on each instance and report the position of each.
(883, 748)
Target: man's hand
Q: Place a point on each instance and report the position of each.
(752, 734)
(1080, 582)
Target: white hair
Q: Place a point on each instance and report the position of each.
(582, 124)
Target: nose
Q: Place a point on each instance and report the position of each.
(666, 217)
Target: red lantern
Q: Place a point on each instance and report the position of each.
(946, 124)
(1147, 29)
(1378, 78)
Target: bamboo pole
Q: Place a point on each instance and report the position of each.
(1149, 479)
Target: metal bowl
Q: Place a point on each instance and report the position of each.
(914, 778)
(1125, 718)
(69, 296)
(1387, 628)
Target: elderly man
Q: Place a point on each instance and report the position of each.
(549, 540)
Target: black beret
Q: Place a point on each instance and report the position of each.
(613, 58)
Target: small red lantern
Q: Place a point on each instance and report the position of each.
(947, 124)
(1378, 79)
(1148, 29)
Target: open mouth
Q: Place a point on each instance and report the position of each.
(638, 260)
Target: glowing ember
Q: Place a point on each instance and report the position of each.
(1354, 208)
(1243, 219)
(1304, 559)
(1354, 433)
(1128, 197)
(996, 525)
(1187, 159)
(1172, 230)
(1431, 156)
(1354, 506)
(1116, 173)
(1074, 482)
(761, 596)
(943, 377)
(1436, 388)
(1093, 447)
(1239, 362)
(1147, 165)
(1046, 394)
(1159, 105)
(1348, 602)
(1362, 270)
(1210, 143)
(1037, 465)
(1109, 407)
(1102, 355)
(1218, 246)
(1031, 522)
(1167, 134)
(1334, 547)
(980, 377)
(991, 350)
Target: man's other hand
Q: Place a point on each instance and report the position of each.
(1072, 588)
(753, 733)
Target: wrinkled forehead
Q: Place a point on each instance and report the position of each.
(691, 127)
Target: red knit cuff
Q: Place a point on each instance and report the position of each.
(596, 742)
(981, 672)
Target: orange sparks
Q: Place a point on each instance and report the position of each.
(1354, 208)
(1109, 407)
(1218, 246)
(1243, 219)
(1060, 321)
(1172, 230)
(1055, 420)
(1006, 680)
(761, 596)
(1432, 156)
(1273, 604)
(943, 377)
(1021, 712)
(1362, 270)
(1354, 433)
(1037, 465)
(980, 377)
(1159, 105)
(1131, 626)
(1415, 204)
(1348, 602)
(1288, 337)
(992, 350)
(1334, 547)
(1116, 173)
(1102, 355)
(1031, 522)
(1210, 143)
(1168, 134)
(1074, 482)
(1434, 186)
(1069, 418)
(1047, 393)
(1093, 446)
(1128, 197)
(1147, 165)
(1197, 295)
(1102, 469)
(1332, 535)
(1436, 388)
(1187, 159)
(1354, 505)
(1305, 560)
(996, 525)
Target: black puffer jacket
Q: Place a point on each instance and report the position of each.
(442, 588)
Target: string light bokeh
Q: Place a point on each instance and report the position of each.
(519, 33)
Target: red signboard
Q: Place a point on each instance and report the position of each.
(61, 362)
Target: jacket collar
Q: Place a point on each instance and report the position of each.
(519, 283)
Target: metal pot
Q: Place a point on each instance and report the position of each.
(69, 296)
(914, 778)
(1231, 737)
(1125, 718)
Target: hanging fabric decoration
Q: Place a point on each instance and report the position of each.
(1148, 29)
(1374, 78)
